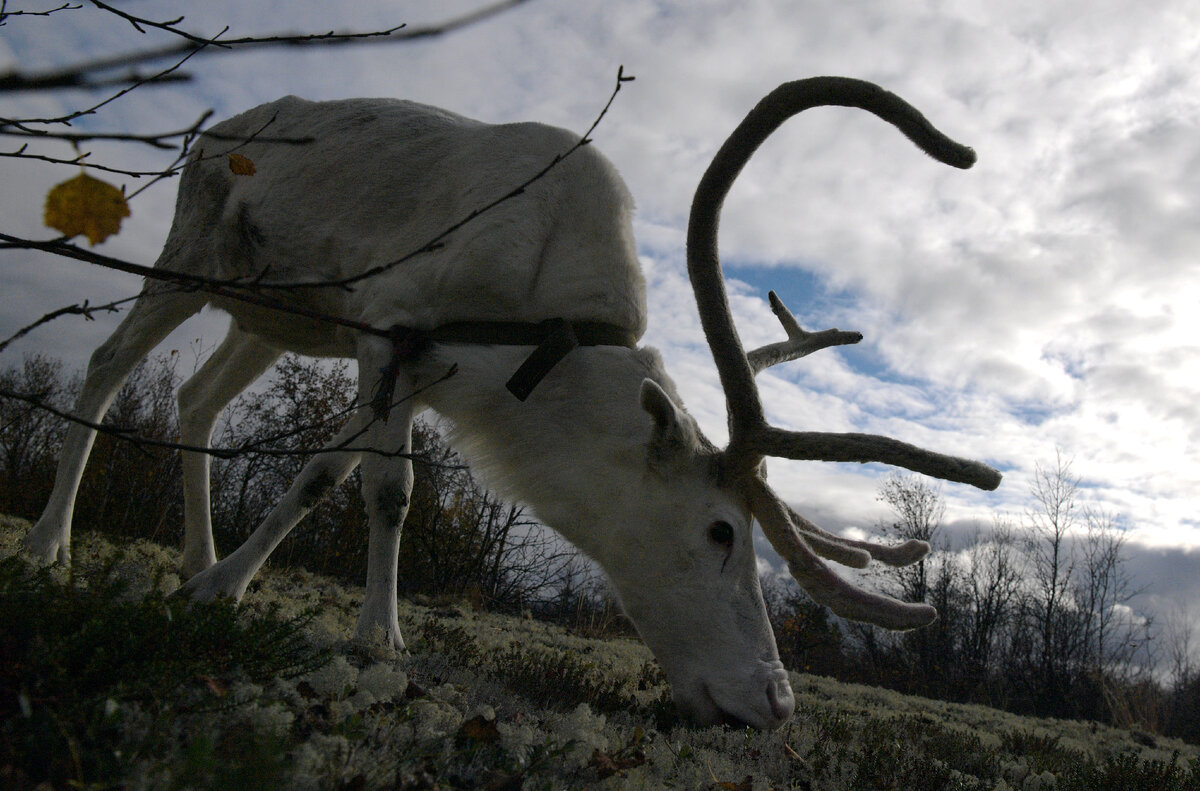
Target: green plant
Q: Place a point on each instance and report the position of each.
(1042, 750)
(547, 677)
(93, 677)
(1126, 772)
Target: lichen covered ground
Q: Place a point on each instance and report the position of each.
(480, 700)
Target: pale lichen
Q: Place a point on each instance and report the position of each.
(380, 720)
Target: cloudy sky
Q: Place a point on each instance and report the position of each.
(1044, 300)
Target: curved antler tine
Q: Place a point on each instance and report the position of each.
(846, 551)
(800, 343)
(821, 583)
(823, 544)
(704, 267)
(898, 555)
(823, 446)
(836, 551)
(788, 541)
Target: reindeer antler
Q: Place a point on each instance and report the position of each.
(750, 437)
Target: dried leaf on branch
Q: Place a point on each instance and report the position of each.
(88, 206)
(241, 165)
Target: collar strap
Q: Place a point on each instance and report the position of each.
(553, 339)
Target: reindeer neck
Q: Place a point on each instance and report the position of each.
(558, 450)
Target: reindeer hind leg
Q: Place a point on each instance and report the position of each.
(235, 365)
(157, 311)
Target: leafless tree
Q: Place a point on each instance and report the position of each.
(993, 578)
(131, 488)
(303, 406)
(134, 489)
(930, 656)
(1114, 637)
(29, 436)
(1052, 559)
(917, 509)
(1179, 639)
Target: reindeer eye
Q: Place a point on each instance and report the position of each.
(721, 533)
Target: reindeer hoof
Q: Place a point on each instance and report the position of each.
(374, 633)
(212, 584)
(45, 545)
(191, 566)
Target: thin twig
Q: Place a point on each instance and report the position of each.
(171, 170)
(82, 309)
(81, 161)
(133, 84)
(78, 75)
(155, 140)
(185, 148)
(246, 448)
(5, 13)
(223, 288)
(141, 23)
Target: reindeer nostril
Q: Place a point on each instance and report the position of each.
(779, 695)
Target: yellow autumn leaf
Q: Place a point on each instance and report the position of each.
(88, 206)
(240, 165)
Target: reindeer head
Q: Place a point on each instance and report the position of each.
(695, 599)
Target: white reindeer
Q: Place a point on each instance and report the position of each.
(602, 449)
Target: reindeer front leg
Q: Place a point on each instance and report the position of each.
(231, 576)
(387, 483)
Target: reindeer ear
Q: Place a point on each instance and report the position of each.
(661, 408)
(673, 433)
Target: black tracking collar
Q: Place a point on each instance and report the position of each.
(553, 339)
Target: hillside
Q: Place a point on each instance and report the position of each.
(96, 689)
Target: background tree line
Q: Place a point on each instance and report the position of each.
(1035, 612)
(1035, 615)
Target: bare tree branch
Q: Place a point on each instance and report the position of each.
(82, 74)
(238, 290)
(132, 85)
(258, 446)
(82, 309)
(5, 13)
(82, 161)
(156, 140)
